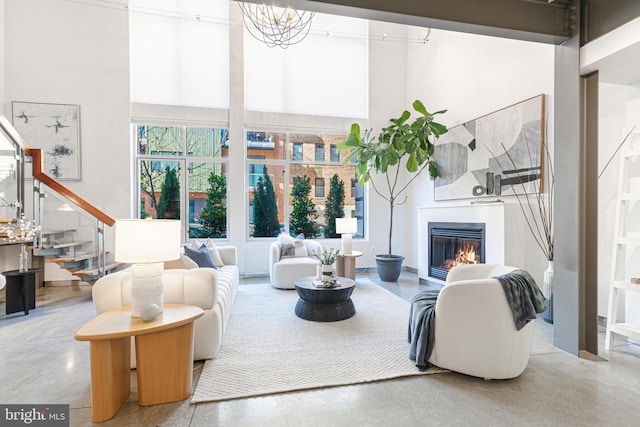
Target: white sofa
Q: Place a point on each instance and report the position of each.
(212, 290)
(283, 271)
(475, 333)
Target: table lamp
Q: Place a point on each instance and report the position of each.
(146, 244)
(346, 227)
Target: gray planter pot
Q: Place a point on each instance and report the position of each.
(389, 267)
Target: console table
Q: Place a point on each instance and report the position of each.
(21, 290)
(164, 357)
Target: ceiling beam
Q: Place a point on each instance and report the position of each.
(532, 20)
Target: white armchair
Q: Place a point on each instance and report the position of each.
(283, 271)
(475, 332)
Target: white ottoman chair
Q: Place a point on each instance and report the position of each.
(283, 271)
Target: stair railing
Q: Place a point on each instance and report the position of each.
(42, 182)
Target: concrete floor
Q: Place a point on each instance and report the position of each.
(41, 363)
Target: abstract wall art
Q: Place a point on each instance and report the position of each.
(497, 154)
(55, 128)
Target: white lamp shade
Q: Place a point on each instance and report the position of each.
(346, 225)
(139, 241)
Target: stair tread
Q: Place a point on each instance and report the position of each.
(627, 285)
(66, 244)
(626, 329)
(66, 230)
(79, 257)
(94, 271)
(630, 196)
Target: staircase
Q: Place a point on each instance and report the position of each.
(72, 229)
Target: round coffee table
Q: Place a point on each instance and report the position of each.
(324, 304)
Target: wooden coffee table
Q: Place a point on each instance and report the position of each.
(324, 304)
(164, 357)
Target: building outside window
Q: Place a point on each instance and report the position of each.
(334, 154)
(319, 152)
(297, 151)
(319, 184)
(293, 158)
(193, 162)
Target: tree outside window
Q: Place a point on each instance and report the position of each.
(303, 214)
(265, 208)
(334, 206)
(169, 204)
(213, 218)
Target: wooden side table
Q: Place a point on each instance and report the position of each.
(21, 290)
(164, 357)
(346, 265)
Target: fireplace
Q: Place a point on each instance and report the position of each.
(454, 243)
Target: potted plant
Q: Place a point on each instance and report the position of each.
(402, 142)
(327, 258)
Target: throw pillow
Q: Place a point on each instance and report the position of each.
(215, 253)
(213, 250)
(180, 263)
(285, 238)
(188, 262)
(300, 248)
(294, 248)
(201, 256)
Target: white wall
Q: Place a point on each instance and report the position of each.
(2, 64)
(73, 53)
(471, 76)
(67, 52)
(618, 112)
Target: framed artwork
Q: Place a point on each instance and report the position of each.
(497, 154)
(55, 128)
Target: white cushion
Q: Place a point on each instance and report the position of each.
(288, 270)
(484, 341)
(212, 290)
(213, 250)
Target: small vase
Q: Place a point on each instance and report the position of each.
(24, 258)
(547, 291)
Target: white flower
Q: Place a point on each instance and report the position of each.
(22, 231)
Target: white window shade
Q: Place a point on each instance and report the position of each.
(180, 52)
(324, 75)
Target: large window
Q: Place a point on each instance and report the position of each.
(292, 184)
(170, 159)
(178, 60)
(181, 93)
(325, 75)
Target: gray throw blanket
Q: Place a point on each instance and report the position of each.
(523, 295)
(422, 327)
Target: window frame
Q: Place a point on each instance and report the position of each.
(287, 161)
(184, 159)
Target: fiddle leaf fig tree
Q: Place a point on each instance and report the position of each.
(411, 142)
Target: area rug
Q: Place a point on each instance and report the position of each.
(268, 349)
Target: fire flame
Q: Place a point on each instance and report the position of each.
(466, 256)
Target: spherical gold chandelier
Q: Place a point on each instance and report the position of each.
(276, 26)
